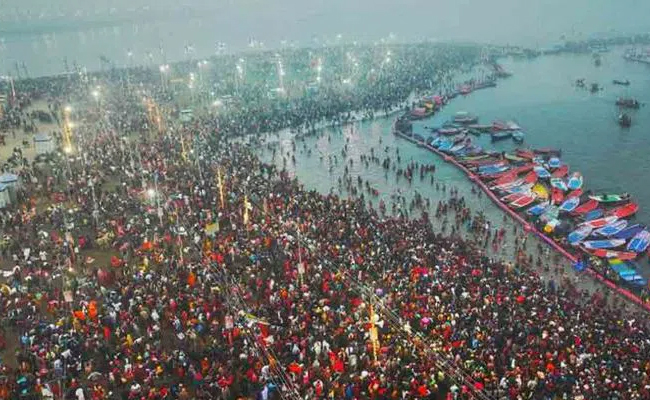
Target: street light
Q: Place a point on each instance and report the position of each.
(164, 68)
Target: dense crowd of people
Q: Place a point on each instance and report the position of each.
(177, 265)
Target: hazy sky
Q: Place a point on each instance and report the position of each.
(514, 21)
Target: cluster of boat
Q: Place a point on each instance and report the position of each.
(464, 123)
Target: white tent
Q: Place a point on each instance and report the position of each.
(43, 143)
(4, 196)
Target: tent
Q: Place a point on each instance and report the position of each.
(43, 143)
(9, 180)
(5, 200)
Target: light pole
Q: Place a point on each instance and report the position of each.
(163, 71)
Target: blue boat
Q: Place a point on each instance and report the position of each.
(542, 172)
(579, 234)
(446, 145)
(554, 162)
(627, 271)
(570, 204)
(639, 242)
(538, 209)
(612, 228)
(575, 181)
(603, 244)
(629, 232)
(594, 214)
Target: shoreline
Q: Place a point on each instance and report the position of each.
(527, 226)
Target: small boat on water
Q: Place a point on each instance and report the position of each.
(557, 195)
(480, 128)
(505, 126)
(586, 207)
(559, 184)
(603, 244)
(628, 103)
(450, 131)
(612, 229)
(529, 154)
(621, 255)
(600, 222)
(514, 158)
(576, 193)
(575, 181)
(531, 177)
(463, 117)
(610, 198)
(525, 188)
(496, 136)
(540, 191)
(548, 151)
(594, 214)
(561, 171)
(523, 201)
(625, 120)
(538, 209)
(639, 242)
(625, 211)
(578, 235)
(554, 162)
(570, 204)
(542, 172)
(507, 186)
(621, 82)
(512, 197)
(629, 232)
(518, 137)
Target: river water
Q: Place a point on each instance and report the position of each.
(542, 98)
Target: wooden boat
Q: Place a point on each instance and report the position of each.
(480, 128)
(559, 183)
(530, 177)
(450, 131)
(509, 185)
(522, 201)
(575, 193)
(621, 255)
(629, 232)
(639, 242)
(496, 136)
(541, 172)
(608, 198)
(625, 211)
(514, 158)
(628, 103)
(557, 195)
(525, 154)
(512, 197)
(570, 204)
(586, 207)
(524, 188)
(548, 151)
(602, 244)
(594, 214)
(469, 159)
(540, 191)
(506, 177)
(621, 82)
(575, 181)
(463, 117)
(578, 235)
(611, 229)
(538, 209)
(600, 222)
(561, 172)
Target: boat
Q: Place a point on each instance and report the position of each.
(586, 207)
(514, 158)
(575, 181)
(551, 213)
(505, 126)
(531, 177)
(629, 232)
(548, 151)
(594, 88)
(624, 120)
(611, 229)
(576, 193)
(542, 172)
(628, 103)
(540, 191)
(480, 128)
(578, 235)
(594, 214)
(450, 131)
(554, 162)
(538, 209)
(561, 172)
(621, 255)
(627, 272)
(523, 201)
(470, 159)
(559, 184)
(463, 117)
(608, 198)
(570, 204)
(457, 148)
(625, 211)
(509, 185)
(492, 173)
(557, 195)
(446, 145)
(512, 197)
(621, 82)
(600, 222)
(529, 154)
(496, 136)
(603, 244)
(507, 177)
(518, 137)
(639, 242)
(525, 188)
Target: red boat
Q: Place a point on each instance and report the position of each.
(513, 197)
(557, 196)
(625, 210)
(531, 177)
(526, 154)
(590, 205)
(506, 177)
(621, 255)
(522, 201)
(561, 172)
(575, 193)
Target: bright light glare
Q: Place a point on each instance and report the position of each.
(68, 109)
(151, 193)
(67, 149)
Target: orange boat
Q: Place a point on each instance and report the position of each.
(625, 211)
(561, 172)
